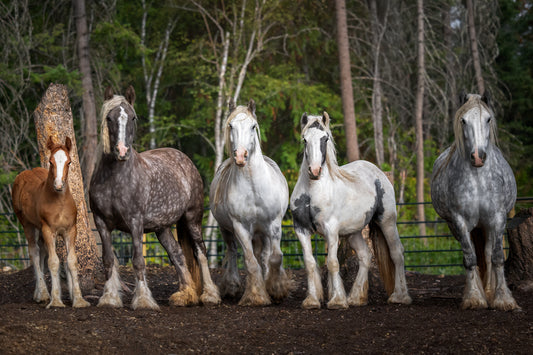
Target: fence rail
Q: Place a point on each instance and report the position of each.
(437, 252)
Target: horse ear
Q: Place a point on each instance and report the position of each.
(325, 119)
(251, 106)
(463, 97)
(68, 143)
(50, 143)
(487, 98)
(130, 95)
(304, 120)
(231, 105)
(108, 94)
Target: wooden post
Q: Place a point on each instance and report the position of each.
(53, 117)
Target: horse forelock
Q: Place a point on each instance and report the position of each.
(331, 152)
(107, 106)
(474, 102)
(231, 117)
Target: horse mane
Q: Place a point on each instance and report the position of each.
(107, 106)
(234, 113)
(331, 153)
(473, 101)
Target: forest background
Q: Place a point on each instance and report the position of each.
(187, 58)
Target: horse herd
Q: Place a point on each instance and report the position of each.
(473, 189)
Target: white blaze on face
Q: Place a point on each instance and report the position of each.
(60, 158)
(122, 122)
(239, 138)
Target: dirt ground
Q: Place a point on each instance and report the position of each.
(433, 324)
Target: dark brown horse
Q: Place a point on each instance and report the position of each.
(148, 192)
(44, 206)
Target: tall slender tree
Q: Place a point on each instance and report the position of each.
(419, 111)
(474, 46)
(350, 126)
(89, 109)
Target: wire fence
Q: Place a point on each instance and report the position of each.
(437, 252)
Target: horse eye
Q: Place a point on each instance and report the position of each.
(463, 121)
(305, 142)
(488, 119)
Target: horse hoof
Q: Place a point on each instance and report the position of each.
(80, 303)
(55, 303)
(337, 305)
(474, 303)
(110, 301)
(186, 297)
(357, 301)
(400, 298)
(254, 302)
(210, 299)
(311, 303)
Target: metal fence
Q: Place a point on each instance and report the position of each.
(437, 252)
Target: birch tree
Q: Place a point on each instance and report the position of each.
(474, 46)
(419, 111)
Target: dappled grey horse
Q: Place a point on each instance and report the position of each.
(339, 201)
(148, 192)
(473, 189)
(249, 197)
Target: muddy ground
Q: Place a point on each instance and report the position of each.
(433, 324)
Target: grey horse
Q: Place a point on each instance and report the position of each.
(473, 189)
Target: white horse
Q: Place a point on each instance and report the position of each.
(249, 197)
(339, 202)
(473, 188)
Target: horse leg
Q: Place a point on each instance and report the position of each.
(37, 258)
(255, 293)
(111, 297)
(186, 294)
(231, 282)
(473, 294)
(390, 232)
(315, 293)
(336, 292)
(72, 270)
(278, 283)
(359, 293)
(210, 295)
(142, 296)
(262, 250)
(502, 297)
(53, 266)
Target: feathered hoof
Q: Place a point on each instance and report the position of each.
(80, 303)
(337, 303)
(110, 300)
(41, 296)
(280, 288)
(144, 302)
(311, 303)
(255, 299)
(400, 298)
(186, 297)
(55, 303)
(210, 297)
(474, 303)
(230, 289)
(504, 302)
(357, 301)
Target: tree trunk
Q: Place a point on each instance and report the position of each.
(53, 117)
(473, 47)
(377, 108)
(418, 121)
(89, 107)
(350, 127)
(519, 264)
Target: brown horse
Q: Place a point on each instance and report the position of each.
(44, 206)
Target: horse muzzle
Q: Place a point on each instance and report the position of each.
(59, 187)
(314, 172)
(477, 158)
(241, 156)
(122, 152)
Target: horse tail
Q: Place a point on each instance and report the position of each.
(477, 235)
(188, 246)
(383, 259)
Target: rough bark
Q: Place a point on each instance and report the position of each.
(519, 264)
(53, 117)
(89, 107)
(350, 127)
(473, 46)
(418, 120)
